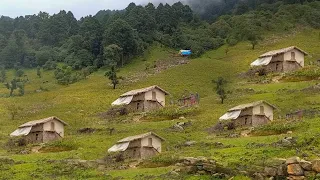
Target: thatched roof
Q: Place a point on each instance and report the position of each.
(141, 136)
(41, 121)
(281, 51)
(143, 90)
(249, 105)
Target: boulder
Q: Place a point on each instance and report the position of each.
(177, 127)
(258, 176)
(310, 174)
(189, 160)
(282, 170)
(316, 165)
(101, 161)
(296, 178)
(209, 167)
(293, 160)
(295, 169)
(174, 173)
(101, 167)
(306, 165)
(285, 143)
(270, 171)
(190, 143)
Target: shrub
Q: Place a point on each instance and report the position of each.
(50, 65)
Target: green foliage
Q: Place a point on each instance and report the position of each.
(220, 88)
(3, 75)
(123, 35)
(39, 71)
(113, 55)
(34, 40)
(64, 75)
(15, 84)
(112, 76)
(19, 73)
(14, 109)
(44, 55)
(50, 65)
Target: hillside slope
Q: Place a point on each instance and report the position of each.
(79, 104)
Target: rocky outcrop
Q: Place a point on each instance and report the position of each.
(293, 169)
(200, 165)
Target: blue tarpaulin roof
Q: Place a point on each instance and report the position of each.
(185, 52)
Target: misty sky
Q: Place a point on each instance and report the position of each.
(80, 8)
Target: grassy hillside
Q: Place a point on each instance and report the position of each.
(79, 104)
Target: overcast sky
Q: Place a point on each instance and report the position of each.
(80, 8)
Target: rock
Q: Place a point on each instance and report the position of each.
(100, 161)
(289, 132)
(310, 174)
(202, 172)
(182, 118)
(270, 171)
(295, 169)
(218, 176)
(286, 142)
(306, 165)
(174, 173)
(188, 169)
(296, 178)
(234, 135)
(245, 173)
(316, 165)
(293, 160)
(179, 164)
(305, 155)
(101, 167)
(258, 176)
(218, 144)
(190, 160)
(282, 170)
(209, 167)
(190, 143)
(177, 127)
(86, 130)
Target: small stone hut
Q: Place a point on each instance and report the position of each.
(282, 60)
(139, 147)
(252, 114)
(41, 131)
(143, 100)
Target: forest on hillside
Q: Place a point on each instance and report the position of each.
(113, 38)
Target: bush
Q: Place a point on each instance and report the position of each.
(50, 65)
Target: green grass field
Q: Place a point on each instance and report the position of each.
(79, 104)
